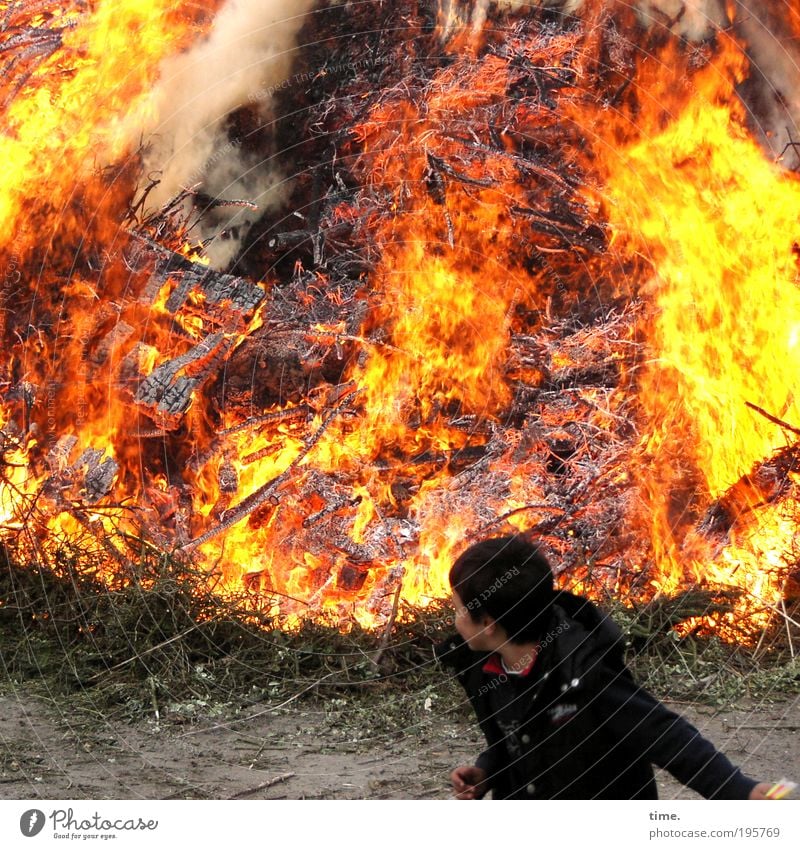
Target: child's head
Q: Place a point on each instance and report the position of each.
(506, 581)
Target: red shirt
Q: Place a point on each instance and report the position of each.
(495, 666)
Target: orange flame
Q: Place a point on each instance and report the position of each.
(718, 225)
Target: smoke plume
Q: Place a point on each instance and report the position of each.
(245, 58)
(772, 92)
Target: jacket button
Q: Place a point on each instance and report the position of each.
(526, 738)
(531, 788)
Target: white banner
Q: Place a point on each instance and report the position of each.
(400, 825)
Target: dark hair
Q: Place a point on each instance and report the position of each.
(509, 579)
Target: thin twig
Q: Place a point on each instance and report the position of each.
(281, 778)
(788, 631)
(768, 727)
(154, 698)
(376, 658)
(761, 411)
(507, 515)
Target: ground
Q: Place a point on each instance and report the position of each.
(331, 748)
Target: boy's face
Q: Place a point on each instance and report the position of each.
(479, 636)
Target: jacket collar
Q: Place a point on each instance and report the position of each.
(495, 666)
(578, 640)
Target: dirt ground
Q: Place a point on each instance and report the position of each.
(299, 751)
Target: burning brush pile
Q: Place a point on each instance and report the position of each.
(440, 272)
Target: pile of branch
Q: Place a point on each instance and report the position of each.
(471, 151)
(161, 643)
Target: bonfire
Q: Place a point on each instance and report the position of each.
(484, 269)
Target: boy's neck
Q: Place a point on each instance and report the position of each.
(517, 657)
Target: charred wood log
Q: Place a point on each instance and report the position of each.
(287, 358)
(766, 483)
(275, 366)
(228, 482)
(88, 479)
(289, 240)
(166, 393)
(351, 577)
(114, 339)
(99, 475)
(282, 243)
(144, 254)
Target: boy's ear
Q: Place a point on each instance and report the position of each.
(489, 625)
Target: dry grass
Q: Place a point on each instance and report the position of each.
(162, 642)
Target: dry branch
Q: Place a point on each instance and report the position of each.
(265, 492)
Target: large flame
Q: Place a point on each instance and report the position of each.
(717, 224)
(75, 103)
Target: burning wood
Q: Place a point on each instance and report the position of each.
(476, 321)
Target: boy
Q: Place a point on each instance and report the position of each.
(560, 711)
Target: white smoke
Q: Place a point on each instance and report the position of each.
(691, 19)
(245, 58)
(773, 90)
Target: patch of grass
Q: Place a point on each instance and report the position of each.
(161, 640)
(705, 669)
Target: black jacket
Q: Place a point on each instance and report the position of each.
(578, 726)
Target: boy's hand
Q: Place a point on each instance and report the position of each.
(469, 782)
(760, 791)
(780, 790)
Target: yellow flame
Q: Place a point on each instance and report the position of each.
(719, 224)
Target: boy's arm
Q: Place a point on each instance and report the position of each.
(641, 724)
(454, 653)
(488, 761)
